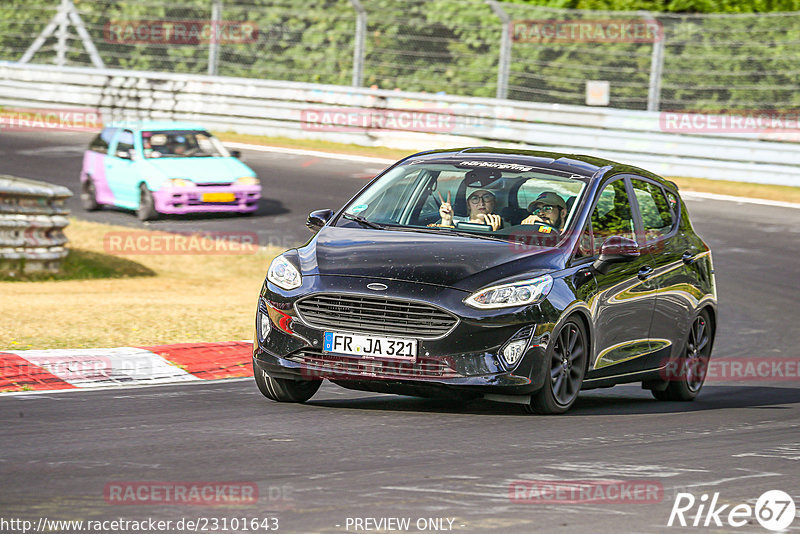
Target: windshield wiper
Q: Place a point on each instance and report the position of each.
(364, 222)
(446, 230)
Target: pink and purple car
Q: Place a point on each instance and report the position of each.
(165, 167)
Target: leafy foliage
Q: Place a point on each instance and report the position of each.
(453, 46)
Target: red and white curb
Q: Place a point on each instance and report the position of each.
(37, 370)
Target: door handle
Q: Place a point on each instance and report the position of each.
(688, 258)
(645, 272)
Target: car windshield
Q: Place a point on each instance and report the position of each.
(497, 200)
(181, 144)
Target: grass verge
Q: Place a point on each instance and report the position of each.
(721, 187)
(85, 265)
(133, 300)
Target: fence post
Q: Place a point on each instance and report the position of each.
(505, 49)
(213, 47)
(62, 34)
(358, 46)
(656, 65)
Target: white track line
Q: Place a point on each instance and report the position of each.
(47, 392)
(315, 153)
(384, 161)
(746, 200)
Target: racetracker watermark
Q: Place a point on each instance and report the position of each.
(355, 368)
(535, 239)
(585, 491)
(181, 493)
(180, 243)
(587, 31)
(180, 32)
(356, 119)
(734, 369)
(67, 367)
(730, 121)
(35, 119)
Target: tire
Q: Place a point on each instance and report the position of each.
(147, 209)
(693, 363)
(283, 390)
(568, 354)
(89, 195)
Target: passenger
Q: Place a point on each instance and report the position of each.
(548, 208)
(480, 205)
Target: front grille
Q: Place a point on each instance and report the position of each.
(375, 315)
(323, 365)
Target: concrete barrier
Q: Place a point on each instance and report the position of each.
(298, 110)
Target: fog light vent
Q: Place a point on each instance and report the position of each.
(264, 323)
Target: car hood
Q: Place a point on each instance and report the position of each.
(201, 170)
(460, 262)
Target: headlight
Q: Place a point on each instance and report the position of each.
(519, 293)
(247, 180)
(178, 182)
(283, 274)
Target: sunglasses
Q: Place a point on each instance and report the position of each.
(546, 207)
(477, 198)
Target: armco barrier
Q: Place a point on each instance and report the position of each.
(278, 108)
(32, 220)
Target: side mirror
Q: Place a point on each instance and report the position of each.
(317, 219)
(236, 154)
(615, 249)
(123, 154)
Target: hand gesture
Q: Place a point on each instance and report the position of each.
(445, 210)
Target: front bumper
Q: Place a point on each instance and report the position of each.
(468, 358)
(180, 200)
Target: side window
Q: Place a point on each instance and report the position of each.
(125, 141)
(654, 208)
(612, 215)
(102, 141)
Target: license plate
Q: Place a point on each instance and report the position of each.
(219, 197)
(370, 346)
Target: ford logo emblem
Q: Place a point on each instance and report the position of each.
(377, 287)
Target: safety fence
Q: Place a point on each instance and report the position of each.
(32, 220)
(666, 143)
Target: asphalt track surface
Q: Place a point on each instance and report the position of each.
(358, 455)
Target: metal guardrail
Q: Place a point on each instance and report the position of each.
(276, 108)
(32, 220)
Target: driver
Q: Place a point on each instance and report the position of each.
(480, 204)
(179, 145)
(548, 208)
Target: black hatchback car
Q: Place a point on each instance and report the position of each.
(516, 276)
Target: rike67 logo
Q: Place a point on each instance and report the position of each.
(774, 510)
